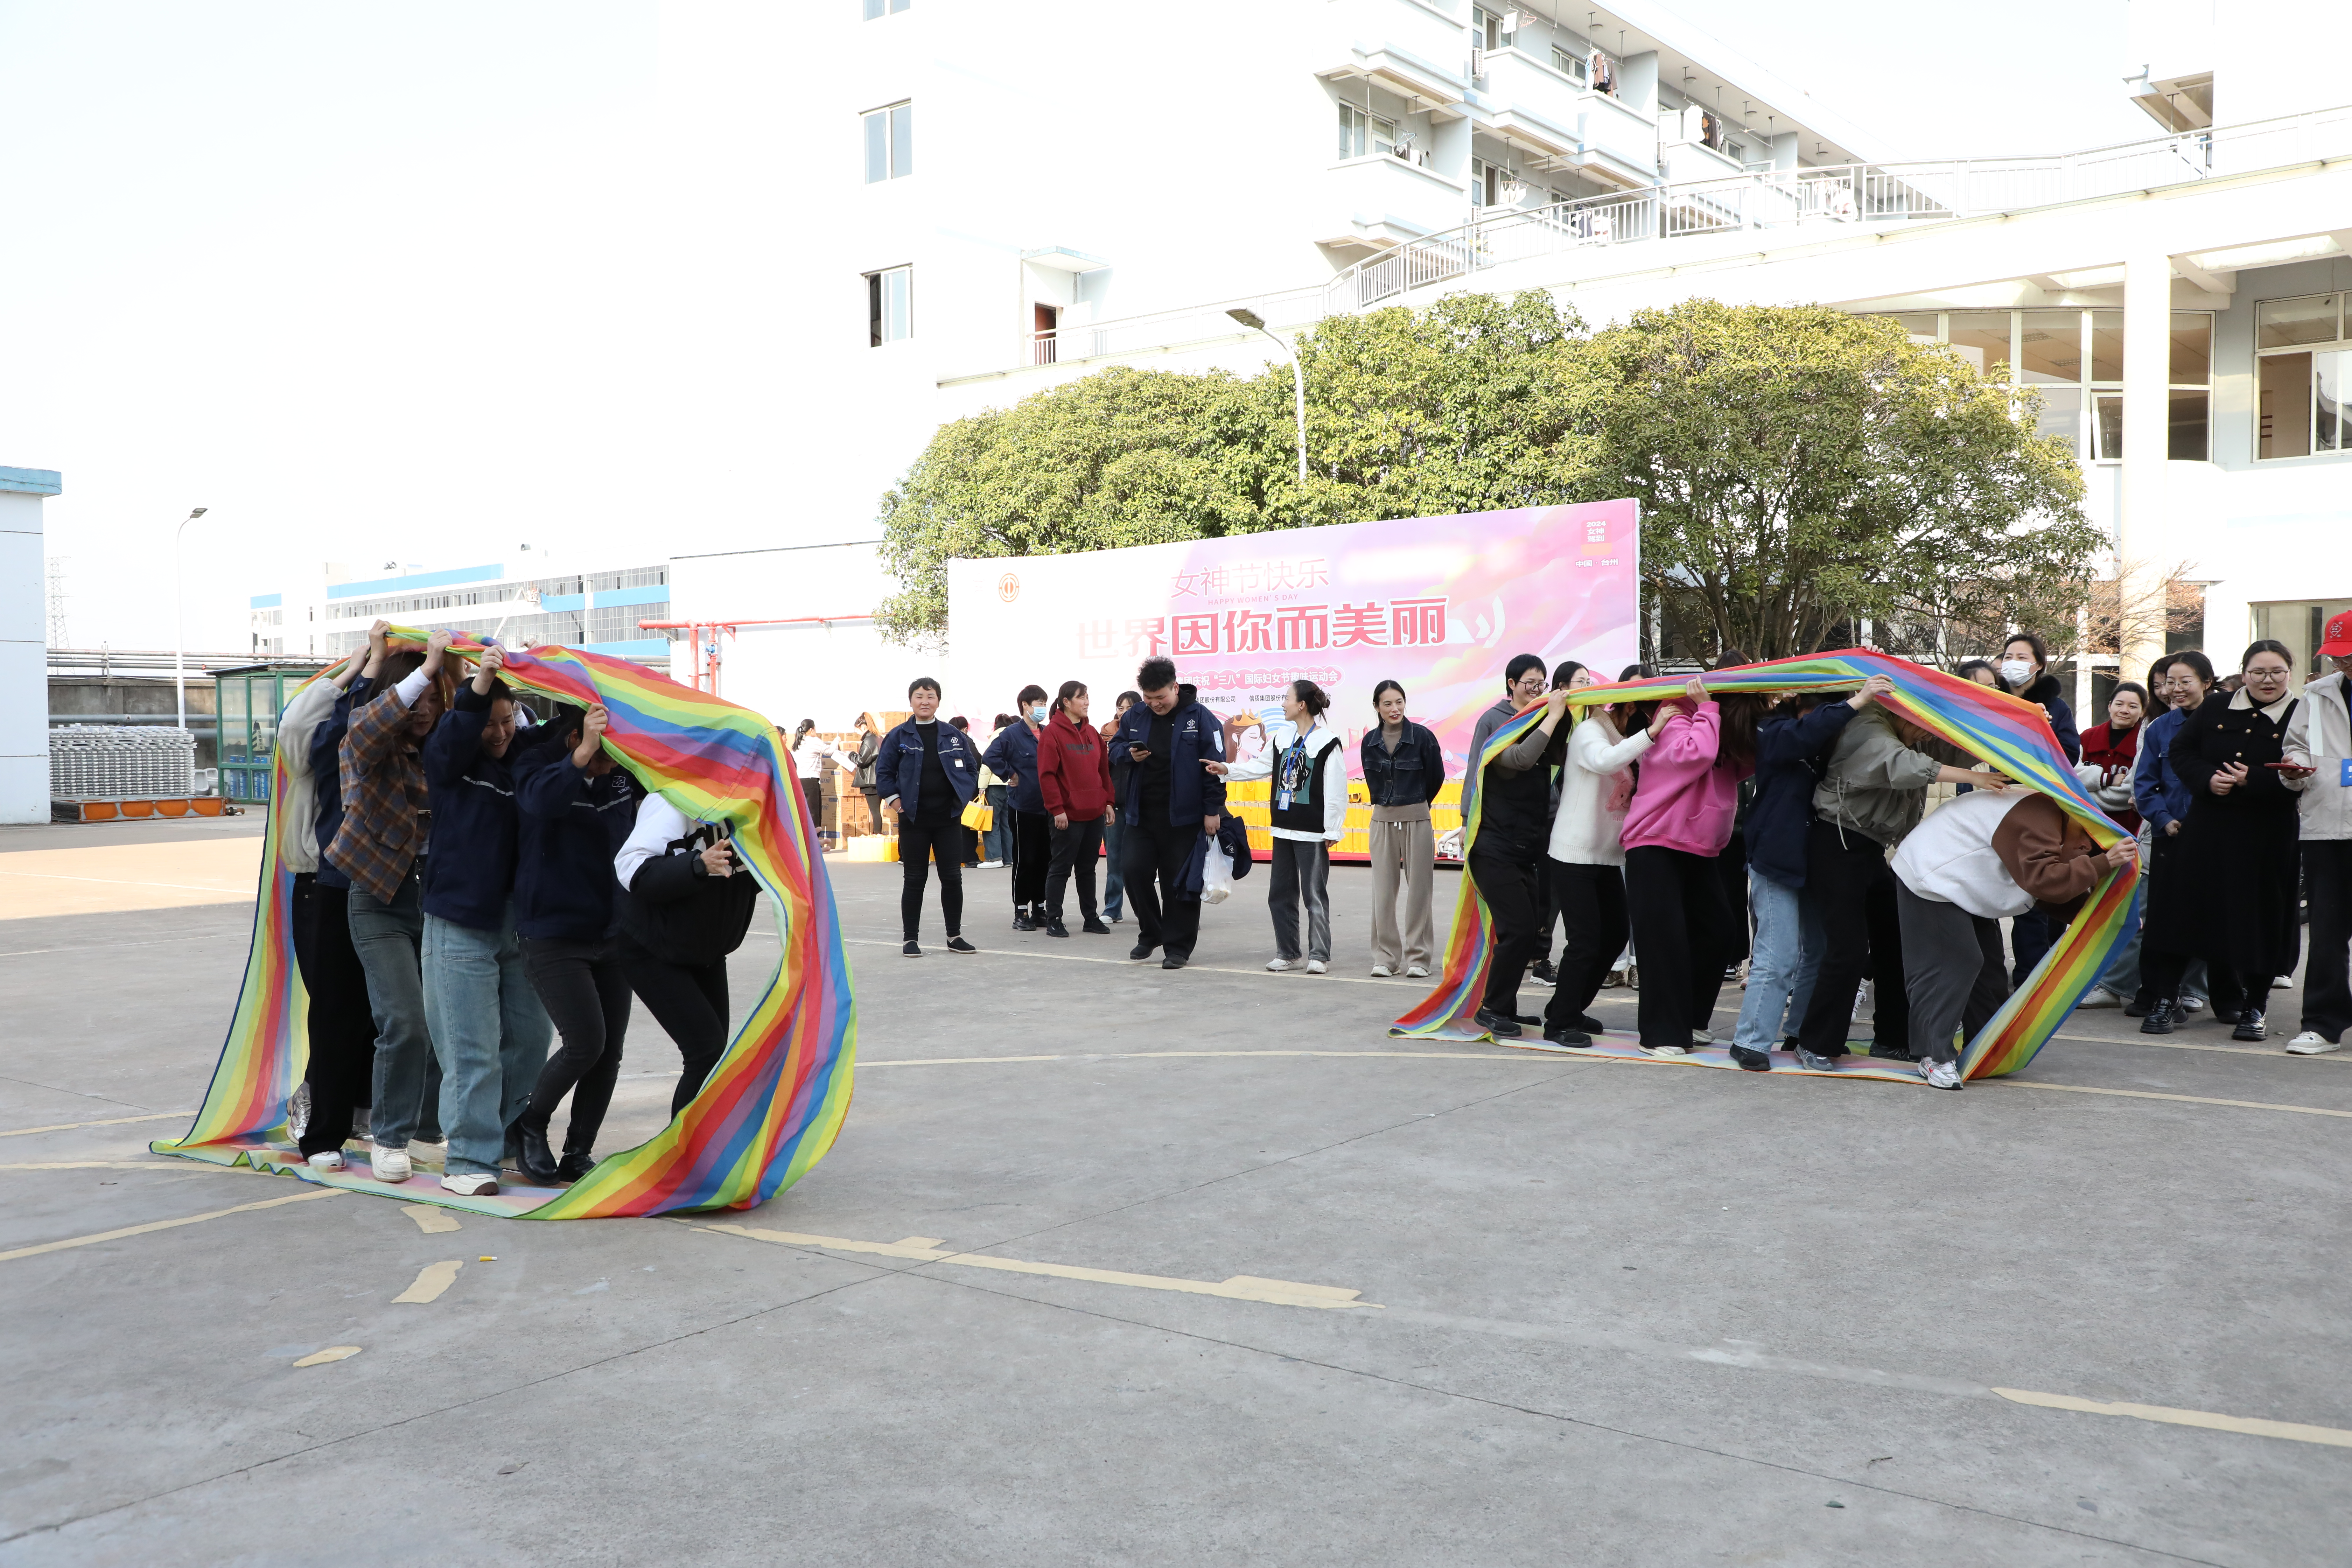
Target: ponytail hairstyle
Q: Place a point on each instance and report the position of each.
(1568, 671)
(1382, 689)
(1740, 712)
(1062, 699)
(1314, 698)
(1632, 716)
(2195, 659)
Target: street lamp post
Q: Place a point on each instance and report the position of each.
(1256, 323)
(180, 620)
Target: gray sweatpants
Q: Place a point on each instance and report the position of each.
(1302, 873)
(1953, 971)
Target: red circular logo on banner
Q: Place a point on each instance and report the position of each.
(1008, 587)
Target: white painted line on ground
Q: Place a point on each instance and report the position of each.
(108, 1121)
(2252, 1426)
(921, 1249)
(2149, 1094)
(165, 1224)
(236, 930)
(2275, 1054)
(1462, 1056)
(431, 1281)
(1151, 966)
(90, 1166)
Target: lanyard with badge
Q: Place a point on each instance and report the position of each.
(1293, 774)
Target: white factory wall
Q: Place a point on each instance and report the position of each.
(23, 663)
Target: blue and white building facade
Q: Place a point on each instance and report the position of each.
(597, 610)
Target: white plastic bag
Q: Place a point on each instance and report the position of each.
(1217, 876)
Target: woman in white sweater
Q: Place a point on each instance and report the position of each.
(1311, 811)
(1588, 860)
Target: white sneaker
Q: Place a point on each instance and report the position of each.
(1382, 971)
(1277, 965)
(1702, 1037)
(472, 1184)
(2193, 1004)
(391, 1164)
(2100, 996)
(2284, 982)
(360, 1123)
(1940, 1075)
(1315, 966)
(992, 865)
(327, 1160)
(1415, 972)
(2311, 1043)
(1665, 1051)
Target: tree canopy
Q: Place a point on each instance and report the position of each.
(1799, 469)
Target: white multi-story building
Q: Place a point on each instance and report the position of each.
(978, 228)
(329, 615)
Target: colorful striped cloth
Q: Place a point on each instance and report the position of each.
(773, 1105)
(2007, 731)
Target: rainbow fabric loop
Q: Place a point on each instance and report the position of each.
(775, 1101)
(2007, 732)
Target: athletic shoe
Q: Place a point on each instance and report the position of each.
(1056, 927)
(2225, 1014)
(1665, 1050)
(1173, 962)
(1381, 971)
(1589, 1024)
(1094, 928)
(2311, 1043)
(1021, 920)
(1497, 1024)
(1813, 1063)
(958, 944)
(574, 1166)
(913, 948)
(1277, 965)
(2099, 996)
(2161, 1019)
(1702, 1037)
(471, 1184)
(2188, 1004)
(2251, 1026)
(359, 1121)
(391, 1164)
(2283, 982)
(2137, 1007)
(1543, 973)
(1536, 1019)
(1752, 1061)
(1415, 972)
(1615, 978)
(298, 1111)
(1891, 1053)
(1575, 1039)
(1940, 1075)
(1139, 952)
(1316, 967)
(992, 865)
(333, 1159)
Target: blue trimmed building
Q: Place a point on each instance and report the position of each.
(598, 611)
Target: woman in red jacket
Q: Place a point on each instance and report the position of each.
(1074, 778)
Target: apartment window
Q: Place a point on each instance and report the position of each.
(890, 305)
(1361, 133)
(1493, 29)
(1571, 65)
(2302, 362)
(875, 8)
(2076, 360)
(889, 142)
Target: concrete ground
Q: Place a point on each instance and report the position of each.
(1626, 1312)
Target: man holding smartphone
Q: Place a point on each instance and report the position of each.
(2318, 758)
(1169, 802)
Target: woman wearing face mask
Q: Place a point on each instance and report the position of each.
(2162, 796)
(1405, 768)
(2024, 670)
(1013, 757)
(2241, 859)
(2110, 751)
(1310, 814)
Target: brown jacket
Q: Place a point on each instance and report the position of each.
(384, 802)
(2048, 855)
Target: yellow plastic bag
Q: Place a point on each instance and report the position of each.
(980, 816)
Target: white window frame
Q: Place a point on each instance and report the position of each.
(1359, 127)
(877, 10)
(881, 285)
(890, 131)
(2340, 344)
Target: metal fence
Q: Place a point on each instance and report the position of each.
(119, 762)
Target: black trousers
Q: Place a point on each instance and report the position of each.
(690, 1002)
(1861, 934)
(1506, 881)
(920, 844)
(2228, 990)
(1153, 856)
(1033, 856)
(2326, 984)
(873, 806)
(1594, 926)
(341, 1025)
(1683, 929)
(813, 791)
(586, 994)
(1732, 867)
(1547, 908)
(2031, 935)
(1075, 848)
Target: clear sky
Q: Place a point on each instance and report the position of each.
(385, 282)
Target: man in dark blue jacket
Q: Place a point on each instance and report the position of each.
(928, 770)
(1170, 801)
(489, 1032)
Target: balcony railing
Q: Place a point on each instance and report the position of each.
(1858, 194)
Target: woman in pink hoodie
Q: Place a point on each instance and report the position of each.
(1678, 821)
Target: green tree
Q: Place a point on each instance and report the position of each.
(1800, 469)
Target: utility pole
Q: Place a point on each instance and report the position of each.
(56, 634)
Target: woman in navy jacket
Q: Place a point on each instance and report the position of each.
(1403, 769)
(1013, 757)
(576, 808)
(929, 771)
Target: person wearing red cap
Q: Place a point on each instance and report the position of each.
(2319, 737)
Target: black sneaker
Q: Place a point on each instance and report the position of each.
(2226, 1014)
(2161, 1018)
(1499, 1026)
(2250, 1026)
(1094, 928)
(1751, 1061)
(913, 948)
(958, 944)
(1891, 1053)
(573, 1167)
(1543, 973)
(1021, 920)
(1056, 927)
(1536, 1019)
(1575, 1039)
(1173, 962)
(1139, 952)
(2137, 1007)
(1589, 1024)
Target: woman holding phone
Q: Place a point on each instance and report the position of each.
(2239, 859)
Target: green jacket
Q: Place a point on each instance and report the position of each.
(1875, 786)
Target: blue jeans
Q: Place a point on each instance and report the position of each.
(490, 1033)
(386, 937)
(1784, 963)
(2121, 974)
(999, 827)
(1115, 885)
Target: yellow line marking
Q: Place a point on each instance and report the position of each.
(2191, 1046)
(1151, 965)
(2182, 1099)
(89, 1166)
(332, 1353)
(431, 1280)
(164, 1225)
(2294, 1431)
(430, 1219)
(1240, 1288)
(110, 1122)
